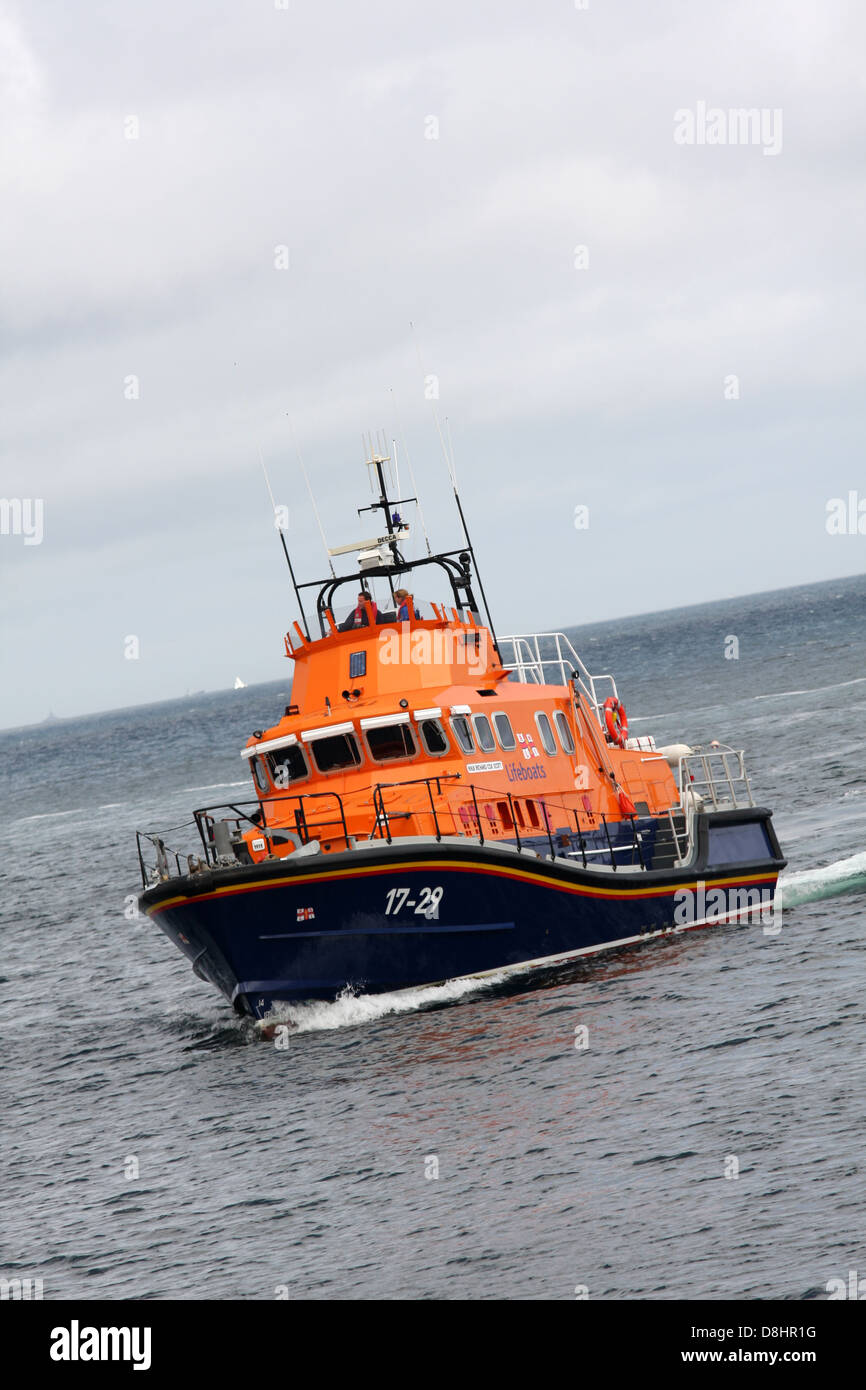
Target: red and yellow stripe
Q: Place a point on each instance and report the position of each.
(457, 866)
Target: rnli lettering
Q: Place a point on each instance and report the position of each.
(516, 772)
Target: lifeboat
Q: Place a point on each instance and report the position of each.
(440, 802)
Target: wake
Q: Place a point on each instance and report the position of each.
(810, 885)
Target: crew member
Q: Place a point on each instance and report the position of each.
(405, 606)
(359, 616)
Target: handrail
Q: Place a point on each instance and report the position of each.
(436, 805)
(163, 851)
(203, 818)
(682, 855)
(529, 664)
(715, 773)
(384, 817)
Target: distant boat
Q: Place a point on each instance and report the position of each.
(239, 684)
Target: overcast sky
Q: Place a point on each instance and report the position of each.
(601, 377)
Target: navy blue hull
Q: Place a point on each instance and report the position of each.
(406, 915)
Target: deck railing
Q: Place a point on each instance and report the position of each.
(548, 658)
(715, 775)
(441, 806)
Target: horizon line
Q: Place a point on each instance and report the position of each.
(51, 719)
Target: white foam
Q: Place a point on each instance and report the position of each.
(215, 787)
(809, 885)
(349, 1010)
(642, 718)
(813, 690)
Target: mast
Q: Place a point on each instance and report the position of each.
(384, 503)
(380, 556)
(295, 584)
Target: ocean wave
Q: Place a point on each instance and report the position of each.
(214, 787)
(812, 690)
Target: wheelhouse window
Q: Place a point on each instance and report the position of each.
(543, 725)
(433, 737)
(287, 765)
(504, 731)
(565, 735)
(463, 733)
(337, 753)
(260, 775)
(391, 743)
(484, 733)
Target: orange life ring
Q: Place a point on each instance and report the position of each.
(616, 720)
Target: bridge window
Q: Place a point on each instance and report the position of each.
(544, 729)
(287, 766)
(336, 753)
(391, 743)
(504, 731)
(565, 736)
(739, 843)
(463, 733)
(433, 737)
(260, 775)
(484, 733)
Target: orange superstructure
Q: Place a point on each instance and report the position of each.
(424, 713)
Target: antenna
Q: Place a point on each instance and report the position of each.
(396, 463)
(411, 473)
(285, 548)
(312, 498)
(449, 460)
(433, 409)
(451, 451)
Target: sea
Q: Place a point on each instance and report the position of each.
(680, 1120)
